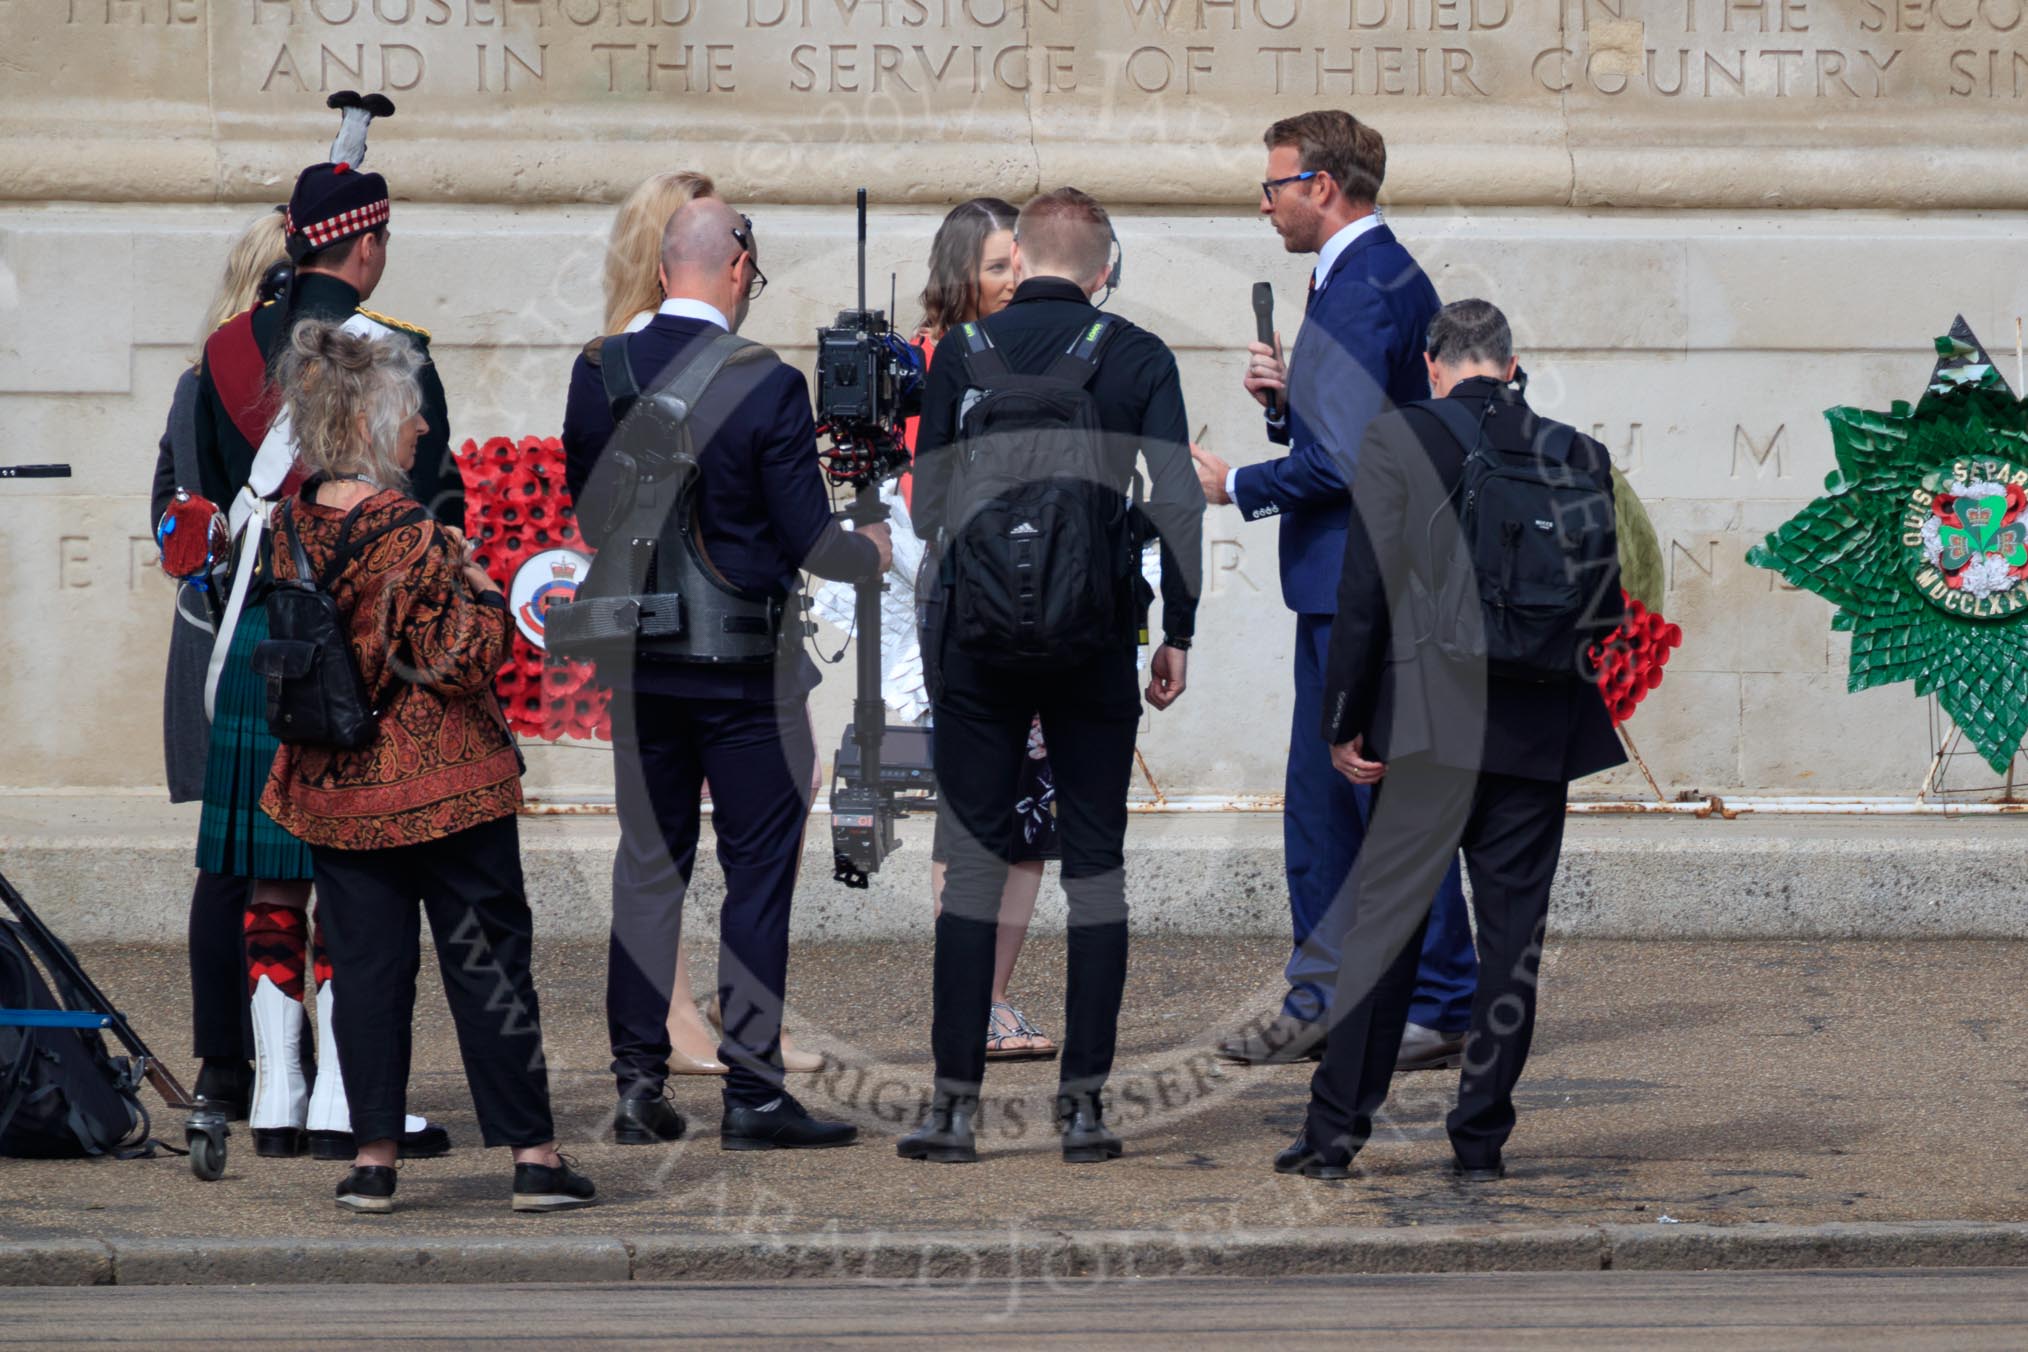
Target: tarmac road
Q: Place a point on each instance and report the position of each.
(1958, 1309)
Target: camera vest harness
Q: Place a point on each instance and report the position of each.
(653, 591)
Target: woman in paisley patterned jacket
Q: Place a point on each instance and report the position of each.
(422, 816)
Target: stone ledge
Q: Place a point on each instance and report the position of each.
(1851, 1245)
(378, 1259)
(117, 870)
(986, 1255)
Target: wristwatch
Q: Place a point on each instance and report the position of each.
(1181, 645)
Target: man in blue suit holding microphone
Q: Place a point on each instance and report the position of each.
(1358, 353)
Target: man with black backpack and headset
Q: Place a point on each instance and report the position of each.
(1031, 426)
(1481, 567)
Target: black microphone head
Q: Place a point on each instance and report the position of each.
(1264, 310)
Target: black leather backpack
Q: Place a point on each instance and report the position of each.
(315, 695)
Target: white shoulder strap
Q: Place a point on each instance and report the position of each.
(249, 513)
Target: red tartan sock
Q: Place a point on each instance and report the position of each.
(276, 948)
(320, 959)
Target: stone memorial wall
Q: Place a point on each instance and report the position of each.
(1709, 219)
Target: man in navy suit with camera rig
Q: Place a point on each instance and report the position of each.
(680, 716)
(1359, 352)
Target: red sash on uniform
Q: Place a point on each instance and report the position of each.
(240, 372)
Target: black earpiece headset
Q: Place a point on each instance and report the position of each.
(1119, 254)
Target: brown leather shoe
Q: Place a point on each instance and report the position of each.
(1280, 1041)
(1429, 1049)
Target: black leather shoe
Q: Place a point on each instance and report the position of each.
(368, 1189)
(647, 1121)
(1303, 1158)
(279, 1143)
(551, 1187)
(1478, 1173)
(782, 1124)
(426, 1144)
(227, 1085)
(1085, 1137)
(945, 1136)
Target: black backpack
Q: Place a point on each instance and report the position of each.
(314, 692)
(62, 1095)
(1540, 535)
(1038, 564)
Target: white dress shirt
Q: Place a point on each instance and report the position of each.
(683, 307)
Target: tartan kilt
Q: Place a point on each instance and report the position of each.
(234, 836)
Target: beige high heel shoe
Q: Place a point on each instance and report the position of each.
(794, 1060)
(692, 1048)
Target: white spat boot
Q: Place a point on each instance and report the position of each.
(330, 1118)
(280, 1096)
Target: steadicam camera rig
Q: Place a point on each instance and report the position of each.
(869, 381)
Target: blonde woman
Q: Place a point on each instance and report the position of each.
(220, 1034)
(633, 294)
(420, 820)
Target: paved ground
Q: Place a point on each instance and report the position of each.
(1786, 1082)
(1957, 1310)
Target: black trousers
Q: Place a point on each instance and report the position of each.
(1511, 830)
(470, 886)
(221, 1016)
(1089, 714)
(758, 755)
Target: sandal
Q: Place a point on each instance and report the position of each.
(1003, 1025)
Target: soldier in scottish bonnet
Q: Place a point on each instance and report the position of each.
(336, 236)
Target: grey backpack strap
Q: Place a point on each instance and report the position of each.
(687, 386)
(616, 368)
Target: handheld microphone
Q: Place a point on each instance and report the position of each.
(1264, 327)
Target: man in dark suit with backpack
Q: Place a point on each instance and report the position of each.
(1481, 568)
(1031, 425)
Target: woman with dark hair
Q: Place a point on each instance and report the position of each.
(421, 817)
(971, 275)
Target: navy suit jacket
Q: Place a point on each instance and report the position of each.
(1358, 353)
(764, 511)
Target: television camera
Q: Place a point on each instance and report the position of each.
(869, 381)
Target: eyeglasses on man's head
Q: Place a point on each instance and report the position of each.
(743, 234)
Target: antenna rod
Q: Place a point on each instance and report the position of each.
(862, 250)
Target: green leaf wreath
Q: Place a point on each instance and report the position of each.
(1921, 542)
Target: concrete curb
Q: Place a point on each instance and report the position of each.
(1011, 1255)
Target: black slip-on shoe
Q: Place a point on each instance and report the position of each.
(551, 1187)
(945, 1136)
(647, 1121)
(1478, 1173)
(1302, 1158)
(368, 1189)
(780, 1124)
